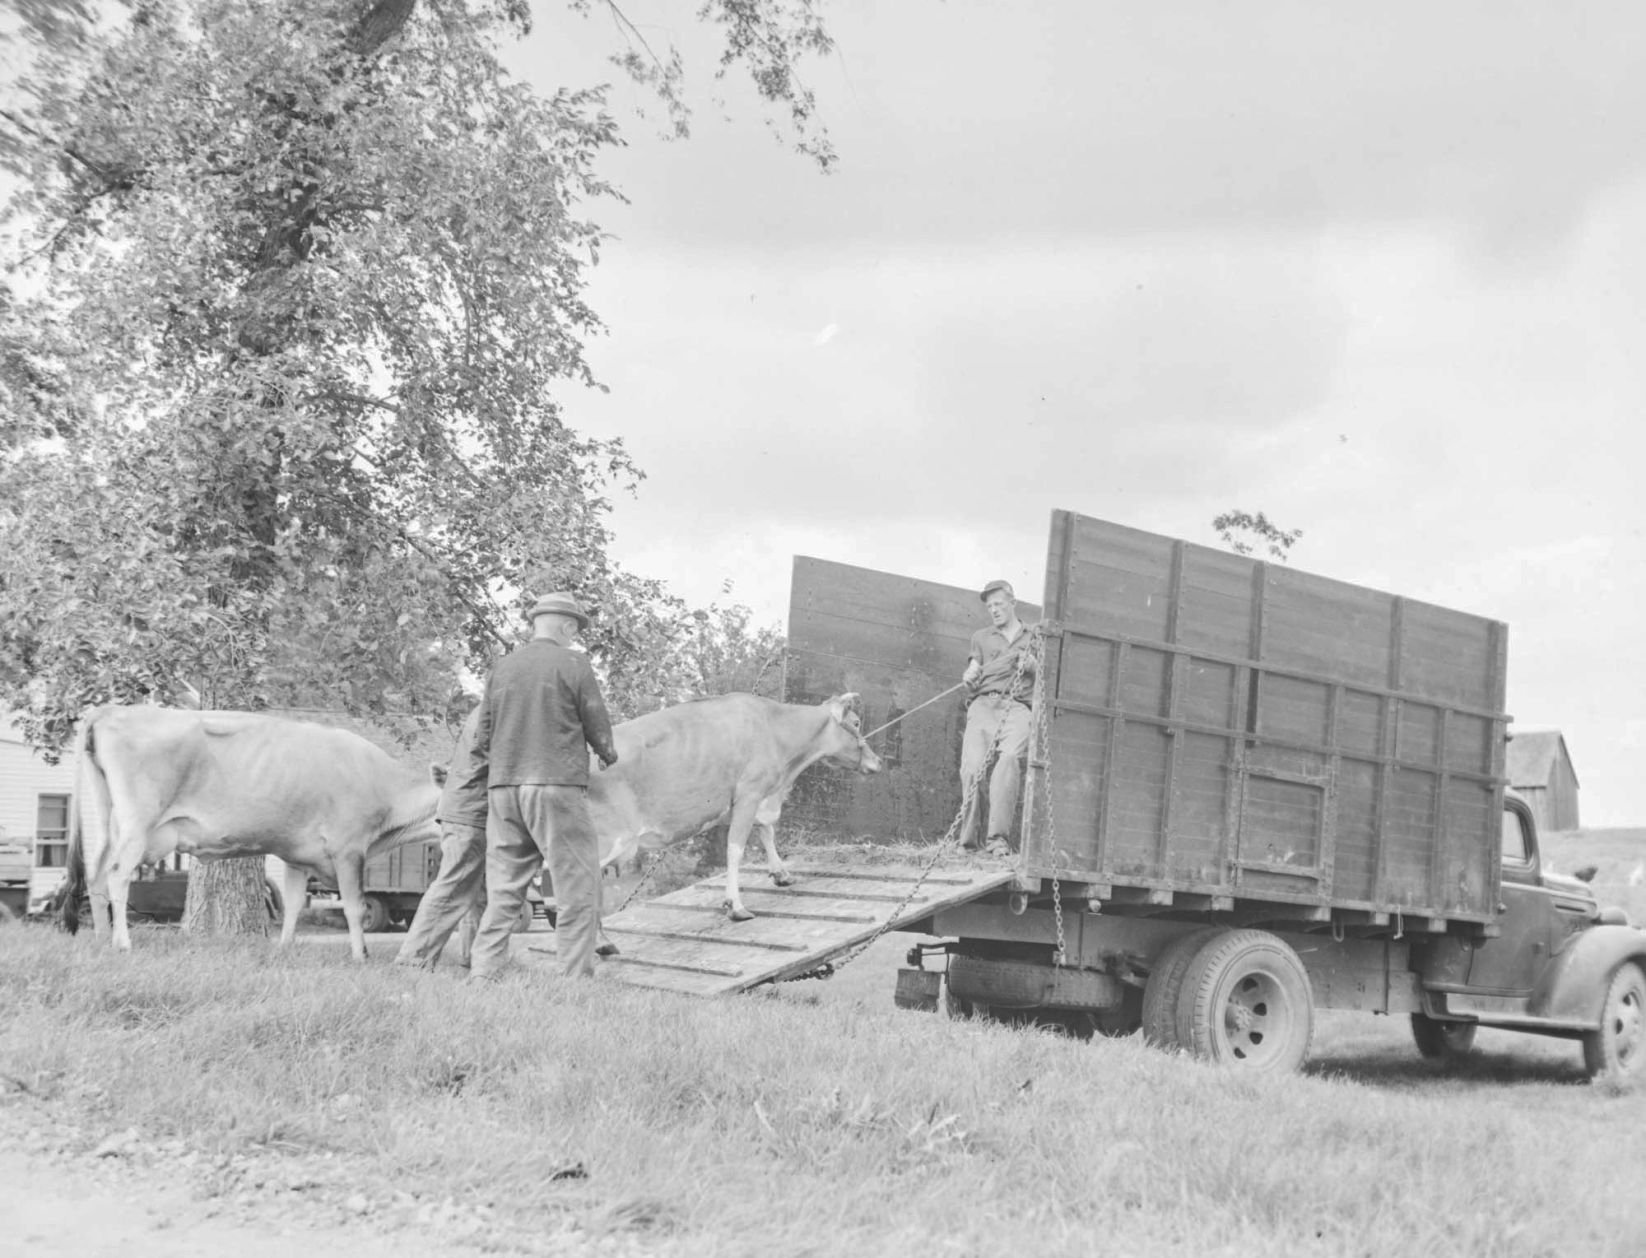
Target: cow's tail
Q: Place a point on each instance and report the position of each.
(91, 790)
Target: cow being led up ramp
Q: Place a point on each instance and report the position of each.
(684, 942)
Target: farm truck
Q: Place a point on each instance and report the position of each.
(1252, 792)
(393, 884)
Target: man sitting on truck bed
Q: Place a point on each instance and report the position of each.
(1001, 676)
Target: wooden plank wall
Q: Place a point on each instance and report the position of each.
(1232, 726)
(895, 641)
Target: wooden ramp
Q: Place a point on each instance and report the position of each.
(684, 942)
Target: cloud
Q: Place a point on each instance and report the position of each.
(1007, 124)
(826, 335)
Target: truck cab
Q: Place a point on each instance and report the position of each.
(1553, 963)
(1538, 913)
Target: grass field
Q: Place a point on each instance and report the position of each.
(813, 1118)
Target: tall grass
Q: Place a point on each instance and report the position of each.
(794, 1123)
(810, 1119)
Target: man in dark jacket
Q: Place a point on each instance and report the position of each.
(460, 887)
(541, 713)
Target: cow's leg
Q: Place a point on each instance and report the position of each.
(737, 834)
(350, 870)
(294, 890)
(119, 887)
(100, 916)
(126, 852)
(765, 823)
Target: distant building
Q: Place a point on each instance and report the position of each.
(1540, 770)
(34, 803)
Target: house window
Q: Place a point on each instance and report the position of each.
(51, 832)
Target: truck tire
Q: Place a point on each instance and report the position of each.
(1160, 993)
(1246, 1002)
(1618, 1049)
(375, 919)
(1442, 1041)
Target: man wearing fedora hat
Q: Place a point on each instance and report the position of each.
(541, 712)
(1000, 674)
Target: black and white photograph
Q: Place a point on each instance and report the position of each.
(822, 628)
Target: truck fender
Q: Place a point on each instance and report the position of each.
(1573, 985)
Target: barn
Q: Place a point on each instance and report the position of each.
(1540, 770)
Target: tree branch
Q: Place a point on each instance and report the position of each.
(381, 22)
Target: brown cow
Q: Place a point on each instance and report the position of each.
(150, 781)
(731, 758)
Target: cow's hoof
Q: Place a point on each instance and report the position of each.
(607, 950)
(783, 878)
(737, 912)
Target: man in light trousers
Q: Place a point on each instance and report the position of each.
(458, 891)
(1000, 674)
(540, 715)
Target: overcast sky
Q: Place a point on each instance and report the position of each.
(1378, 271)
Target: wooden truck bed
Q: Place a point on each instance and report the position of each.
(1223, 733)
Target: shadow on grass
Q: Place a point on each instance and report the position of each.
(1413, 1073)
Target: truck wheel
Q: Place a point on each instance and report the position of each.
(376, 917)
(1618, 1049)
(1442, 1041)
(1246, 1002)
(1160, 993)
(954, 1006)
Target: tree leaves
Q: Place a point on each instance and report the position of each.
(299, 287)
(315, 326)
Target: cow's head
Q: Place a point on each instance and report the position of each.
(843, 742)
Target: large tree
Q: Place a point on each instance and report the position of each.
(294, 290)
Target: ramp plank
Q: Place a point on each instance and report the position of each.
(684, 942)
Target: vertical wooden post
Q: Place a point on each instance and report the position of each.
(1388, 750)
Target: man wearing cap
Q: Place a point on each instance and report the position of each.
(1000, 674)
(541, 712)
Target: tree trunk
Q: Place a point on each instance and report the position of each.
(227, 897)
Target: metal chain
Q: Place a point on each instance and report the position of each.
(1043, 741)
(652, 862)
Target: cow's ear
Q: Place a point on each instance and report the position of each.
(842, 705)
(437, 772)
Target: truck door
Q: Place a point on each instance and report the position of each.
(1508, 964)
